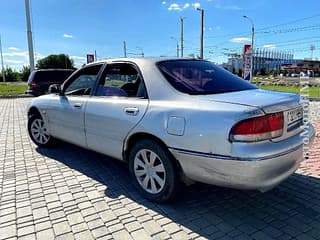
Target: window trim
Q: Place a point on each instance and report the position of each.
(132, 64)
(75, 75)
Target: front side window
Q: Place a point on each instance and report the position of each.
(122, 80)
(83, 82)
(201, 77)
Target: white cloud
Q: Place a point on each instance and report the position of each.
(164, 2)
(16, 54)
(186, 5)
(196, 5)
(78, 60)
(240, 40)
(9, 61)
(17, 59)
(65, 35)
(13, 49)
(174, 7)
(272, 46)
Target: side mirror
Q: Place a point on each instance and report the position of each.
(54, 88)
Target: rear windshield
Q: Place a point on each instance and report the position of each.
(201, 77)
(50, 76)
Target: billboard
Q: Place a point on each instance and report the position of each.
(90, 58)
(247, 52)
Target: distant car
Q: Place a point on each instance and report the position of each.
(176, 120)
(294, 75)
(40, 80)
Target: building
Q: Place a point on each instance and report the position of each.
(265, 60)
(305, 66)
(270, 60)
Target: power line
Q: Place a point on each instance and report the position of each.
(264, 28)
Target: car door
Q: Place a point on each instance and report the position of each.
(66, 111)
(118, 104)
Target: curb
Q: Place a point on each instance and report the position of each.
(16, 96)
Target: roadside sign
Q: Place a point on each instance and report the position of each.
(247, 51)
(90, 58)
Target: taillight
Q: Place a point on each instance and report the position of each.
(258, 128)
(33, 85)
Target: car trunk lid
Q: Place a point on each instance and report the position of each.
(269, 102)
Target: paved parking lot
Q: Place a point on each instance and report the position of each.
(71, 193)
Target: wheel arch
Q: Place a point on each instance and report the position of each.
(142, 135)
(33, 111)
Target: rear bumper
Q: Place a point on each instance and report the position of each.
(34, 92)
(260, 173)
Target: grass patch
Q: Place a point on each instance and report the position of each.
(314, 92)
(7, 88)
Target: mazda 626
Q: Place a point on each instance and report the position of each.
(176, 121)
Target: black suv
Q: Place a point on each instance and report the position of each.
(40, 80)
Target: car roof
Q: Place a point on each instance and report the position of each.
(53, 69)
(141, 60)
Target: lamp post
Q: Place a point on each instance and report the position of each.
(201, 30)
(29, 35)
(181, 35)
(252, 48)
(3, 73)
(177, 45)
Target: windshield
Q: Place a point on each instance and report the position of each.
(201, 77)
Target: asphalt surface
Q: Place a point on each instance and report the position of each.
(71, 193)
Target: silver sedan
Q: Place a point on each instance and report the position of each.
(176, 121)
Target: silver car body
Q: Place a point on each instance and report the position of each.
(195, 129)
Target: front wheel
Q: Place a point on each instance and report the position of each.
(38, 131)
(153, 171)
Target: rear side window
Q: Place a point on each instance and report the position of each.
(51, 76)
(201, 77)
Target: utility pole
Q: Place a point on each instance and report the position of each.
(181, 32)
(201, 31)
(177, 45)
(177, 49)
(252, 48)
(3, 73)
(29, 35)
(95, 55)
(312, 48)
(124, 49)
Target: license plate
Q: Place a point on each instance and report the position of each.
(294, 115)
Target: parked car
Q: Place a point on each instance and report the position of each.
(40, 80)
(174, 121)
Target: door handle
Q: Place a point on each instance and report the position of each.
(131, 111)
(77, 105)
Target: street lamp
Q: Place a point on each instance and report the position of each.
(29, 35)
(181, 34)
(252, 49)
(177, 45)
(2, 69)
(201, 31)
(142, 53)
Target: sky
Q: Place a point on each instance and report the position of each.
(80, 27)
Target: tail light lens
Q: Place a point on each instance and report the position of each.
(33, 85)
(258, 129)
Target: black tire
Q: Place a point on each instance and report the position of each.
(36, 124)
(172, 183)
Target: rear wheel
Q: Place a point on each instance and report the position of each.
(153, 171)
(38, 131)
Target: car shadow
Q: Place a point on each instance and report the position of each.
(292, 209)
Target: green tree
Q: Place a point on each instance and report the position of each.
(11, 75)
(55, 61)
(24, 73)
